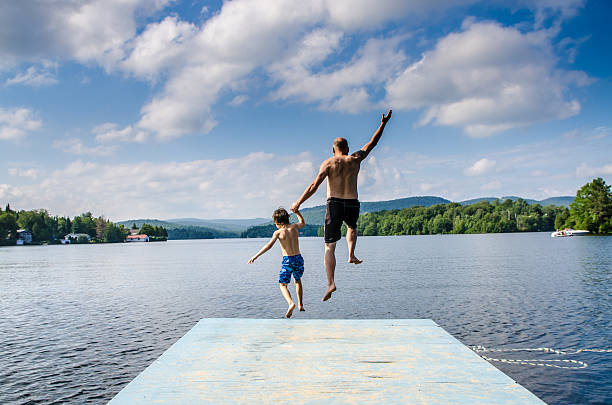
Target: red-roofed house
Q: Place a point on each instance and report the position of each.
(137, 238)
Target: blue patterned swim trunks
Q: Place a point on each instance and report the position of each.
(291, 265)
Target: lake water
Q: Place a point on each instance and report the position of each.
(77, 323)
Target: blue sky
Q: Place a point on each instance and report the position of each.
(209, 109)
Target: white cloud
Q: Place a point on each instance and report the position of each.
(479, 168)
(584, 170)
(36, 76)
(246, 186)
(76, 147)
(86, 31)
(159, 47)
(546, 9)
(487, 78)
(239, 100)
(244, 36)
(364, 15)
(16, 123)
(344, 88)
(109, 132)
(30, 173)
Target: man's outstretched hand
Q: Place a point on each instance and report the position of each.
(295, 207)
(385, 118)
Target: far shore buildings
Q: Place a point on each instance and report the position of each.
(73, 237)
(24, 237)
(137, 238)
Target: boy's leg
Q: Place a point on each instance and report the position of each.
(287, 295)
(330, 269)
(298, 291)
(351, 241)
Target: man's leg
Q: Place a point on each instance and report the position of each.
(330, 268)
(351, 241)
(287, 295)
(298, 291)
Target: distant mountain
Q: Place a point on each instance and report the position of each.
(152, 222)
(477, 200)
(181, 231)
(563, 201)
(514, 198)
(228, 225)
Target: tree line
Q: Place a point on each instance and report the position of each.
(50, 229)
(482, 217)
(591, 210)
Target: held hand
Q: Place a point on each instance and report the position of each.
(295, 207)
(386, 118)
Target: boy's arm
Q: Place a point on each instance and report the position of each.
(367, 148)
(264, 249)
(301, 222)
(312, 187)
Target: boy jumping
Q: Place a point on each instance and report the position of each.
(293, 263)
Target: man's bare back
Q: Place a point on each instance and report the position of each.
(342, 174)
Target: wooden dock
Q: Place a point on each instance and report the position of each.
(268, 361)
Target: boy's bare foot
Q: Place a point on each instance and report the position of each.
(329, 292)
(290, 311)
(302, 308)
(355, 260)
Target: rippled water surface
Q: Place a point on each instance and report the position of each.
(77, 323)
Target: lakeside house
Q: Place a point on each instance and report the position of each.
(137, 238)
(24, 237)
(72, 237)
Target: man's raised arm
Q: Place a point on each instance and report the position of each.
(367, 148)
(312, 187)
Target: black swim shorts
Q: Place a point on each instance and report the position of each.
(340, 210)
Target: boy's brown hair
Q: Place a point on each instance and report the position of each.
(281, 216)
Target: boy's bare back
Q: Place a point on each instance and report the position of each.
(289, 241)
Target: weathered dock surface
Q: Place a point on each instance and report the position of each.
(405, 361)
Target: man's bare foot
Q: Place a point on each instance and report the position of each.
(302, 308)
(355, 260)
(290, 311)
(329, 292)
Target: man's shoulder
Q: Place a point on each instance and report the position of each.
(358, 154)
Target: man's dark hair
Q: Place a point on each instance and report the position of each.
(341, 144)
(281, 216)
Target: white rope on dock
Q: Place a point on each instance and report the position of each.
(557, 363)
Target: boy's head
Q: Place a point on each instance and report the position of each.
(280, 216)
(341, 146)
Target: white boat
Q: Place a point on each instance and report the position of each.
(568, 232)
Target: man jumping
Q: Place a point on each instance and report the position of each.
(341, 171)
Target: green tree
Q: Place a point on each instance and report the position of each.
(147, 229)
(101, 225)
(592, 208)
(8, 228)
(113, 233)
